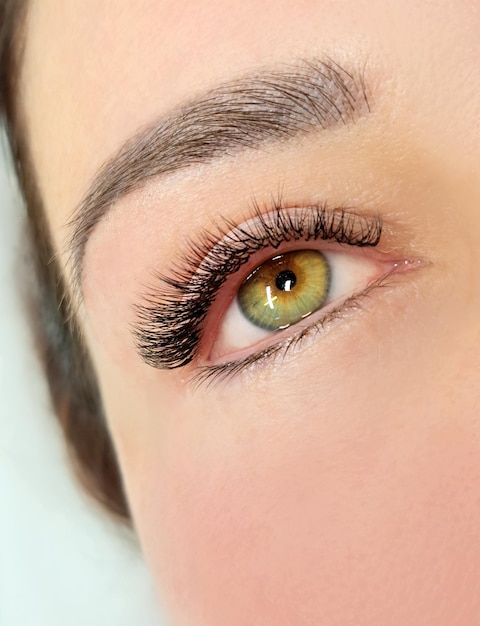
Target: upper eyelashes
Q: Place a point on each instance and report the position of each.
(170, 320)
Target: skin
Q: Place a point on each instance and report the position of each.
(338, 485)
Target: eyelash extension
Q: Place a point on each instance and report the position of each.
(169, 322)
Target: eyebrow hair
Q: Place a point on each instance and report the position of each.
(266, 106)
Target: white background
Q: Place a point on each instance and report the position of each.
(62, 561)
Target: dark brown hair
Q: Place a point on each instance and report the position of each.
(71, 378)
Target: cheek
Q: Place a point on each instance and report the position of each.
(343, 488)
(293, 521)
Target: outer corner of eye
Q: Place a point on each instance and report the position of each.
(290, 291)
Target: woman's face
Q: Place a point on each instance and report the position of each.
(295, 468)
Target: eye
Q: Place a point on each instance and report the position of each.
(285, 289)
(241, 292)
(291, 290)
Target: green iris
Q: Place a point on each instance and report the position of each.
(285, 289)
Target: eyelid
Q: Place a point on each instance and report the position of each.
(168, 329)
(210, 374)
(360, 262)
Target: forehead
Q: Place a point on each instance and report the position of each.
(96, 72)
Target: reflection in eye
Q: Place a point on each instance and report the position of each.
(288, 289)
(189, 316)
(285, 289)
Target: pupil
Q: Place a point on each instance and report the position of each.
(286, 280)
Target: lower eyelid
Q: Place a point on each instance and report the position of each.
(211, 373)
(176, 320)
(238, 338)
(266, 339)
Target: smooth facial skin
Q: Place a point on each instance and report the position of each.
(338, 484)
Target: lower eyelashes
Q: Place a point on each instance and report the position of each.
(221, 311)
(287, 293)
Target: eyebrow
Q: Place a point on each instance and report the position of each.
(263, 107)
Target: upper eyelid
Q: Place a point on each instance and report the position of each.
(308, 95)
(169, 322)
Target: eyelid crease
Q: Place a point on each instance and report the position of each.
(169, 322)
